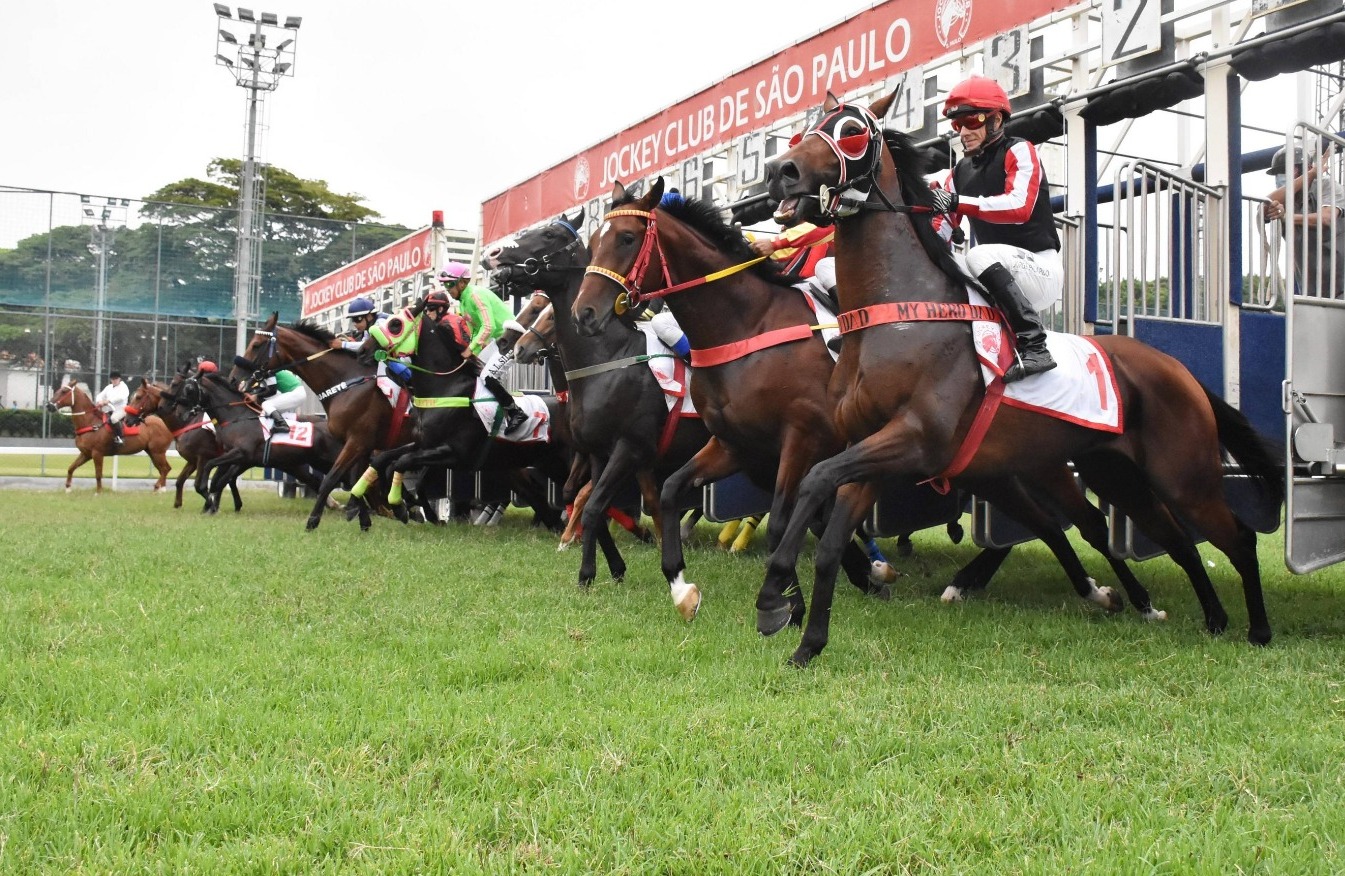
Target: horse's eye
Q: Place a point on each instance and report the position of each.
(626, 238)
(847, 127)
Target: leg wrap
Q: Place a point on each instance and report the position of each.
(365, 482)
(395, 491)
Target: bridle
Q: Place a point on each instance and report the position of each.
(548, 262)
(631, 284)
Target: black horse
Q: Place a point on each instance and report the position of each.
(618, 412)
(449, 433)
(244, 444)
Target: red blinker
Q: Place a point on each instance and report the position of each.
(854, 146)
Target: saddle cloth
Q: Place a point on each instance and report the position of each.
(1081, 389)
(534, 430)
(299, 435)
(665, 370)
(390, 390)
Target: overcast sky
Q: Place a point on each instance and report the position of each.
(415, 105)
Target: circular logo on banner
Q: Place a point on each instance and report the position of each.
(581, 175)
(951, 20)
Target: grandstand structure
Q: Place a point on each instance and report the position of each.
(1157, 120)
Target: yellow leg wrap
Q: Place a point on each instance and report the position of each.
(745, 533)
(395, 491)
(365, 482)
(727, 533)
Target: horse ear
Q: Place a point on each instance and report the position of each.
(883, 105)
(578, 218)
(618, 191)
(271, 323)
(655, 191)
(830, 103)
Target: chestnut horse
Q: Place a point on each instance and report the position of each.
(907, 390)
(760, 370)
(358, 414)
(195, 443)
(93, 436)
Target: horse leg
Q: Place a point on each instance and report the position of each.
(161, 463)
(1010, 495)
(853, 501)
(1137, 500)
(98, 472)
(346, 459)
(975, 575)
(238, 499)
(711, 462)
(84, 456)
(1092, 525)
(187, 471)
(572, 526)
(650, 494)
(873, 577)
(609, 475)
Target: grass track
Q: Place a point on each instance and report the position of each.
(233, 695)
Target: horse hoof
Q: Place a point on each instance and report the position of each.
(1108, 598)
(312, 524)
(1259, 637)
(352, 510)
(881, 592)
(881, 572)
(905, 548)
(1153, 614)
(773, 621)
(585, 583)
(686, 597)
(951, 593)
(801, 658)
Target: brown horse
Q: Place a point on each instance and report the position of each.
(358, 414)
(195, 443)
(94, 439)
(907, 389)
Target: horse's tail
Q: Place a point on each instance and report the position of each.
(1259, 457)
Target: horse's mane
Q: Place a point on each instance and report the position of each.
(910, 166)
(313, 330)
(707, 219)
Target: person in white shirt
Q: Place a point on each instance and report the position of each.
(113, 399)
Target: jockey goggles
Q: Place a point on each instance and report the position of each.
(972, 120)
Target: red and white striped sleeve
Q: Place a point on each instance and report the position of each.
(942, 223)
(1022, 182)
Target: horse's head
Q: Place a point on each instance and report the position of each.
(522, 321)
(539, 341)
(64, 396)
(545, 257)
(831, 166)
(145, 399)
(621, 252)
(261, 352)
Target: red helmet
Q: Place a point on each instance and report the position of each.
(976, 93)
(207, 367)
(437, 297)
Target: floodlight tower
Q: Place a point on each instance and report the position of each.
(104, 220)
(259, 63)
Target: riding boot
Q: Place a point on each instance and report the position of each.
(278, 423)
(514, 416)
(116, 432)
(1033, 357)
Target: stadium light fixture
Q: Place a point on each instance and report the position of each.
(257, 64)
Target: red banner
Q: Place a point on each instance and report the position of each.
(396, 261)
(874, 45)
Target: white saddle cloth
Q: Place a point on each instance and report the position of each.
(534, 430)
(1080, 389)
(664, 366)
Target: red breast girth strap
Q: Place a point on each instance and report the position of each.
(914, 311)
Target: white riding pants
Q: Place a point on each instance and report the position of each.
(1041, 275)
(285, 402)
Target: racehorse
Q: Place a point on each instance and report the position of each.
(761, 371)
(448, 431)
(195, 444)
(94, 438)
(908, 388)
(358, 414)
(243, 442)
(619, 414)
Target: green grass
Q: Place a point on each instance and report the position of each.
(234, 695)
(55, 462)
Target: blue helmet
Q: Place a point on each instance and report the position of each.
(360, 307)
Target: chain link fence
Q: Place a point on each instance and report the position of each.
(91, 284)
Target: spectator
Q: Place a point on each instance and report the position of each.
(1318, 201)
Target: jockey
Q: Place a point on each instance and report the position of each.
(281, 392)
(486, 315)
(796, 262)
(362, 314)
(112, 399)
(1001, 187)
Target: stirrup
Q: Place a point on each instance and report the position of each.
(1028, 363)
(278, 424)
